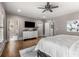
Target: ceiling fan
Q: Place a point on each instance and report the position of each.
(48, 7)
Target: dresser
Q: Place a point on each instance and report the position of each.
(30, 34)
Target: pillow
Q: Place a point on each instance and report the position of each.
(26, 50)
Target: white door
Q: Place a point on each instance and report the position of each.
(48, 29)
(40, 29)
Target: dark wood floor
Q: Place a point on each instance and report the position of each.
(12, 47)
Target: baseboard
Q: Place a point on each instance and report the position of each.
(30, 39)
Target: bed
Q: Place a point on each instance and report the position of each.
(58, 46)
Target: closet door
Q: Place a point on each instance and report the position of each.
(1, 27)
(2, 23)
(1, 34)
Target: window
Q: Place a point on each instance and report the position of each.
(73, 26)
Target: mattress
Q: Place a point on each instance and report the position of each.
(59, 46)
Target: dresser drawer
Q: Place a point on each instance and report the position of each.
(29, 43)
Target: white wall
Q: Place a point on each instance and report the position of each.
(60, 23)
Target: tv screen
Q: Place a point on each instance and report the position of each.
(29, 24)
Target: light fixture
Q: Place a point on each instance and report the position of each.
(44, 17)
(18, 10)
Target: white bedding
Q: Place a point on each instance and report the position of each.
(59, 46)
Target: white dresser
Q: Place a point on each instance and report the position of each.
(30, 34)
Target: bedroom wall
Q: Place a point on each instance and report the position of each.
(15, 25)
(61, 22)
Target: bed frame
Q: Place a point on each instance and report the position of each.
(42, 54)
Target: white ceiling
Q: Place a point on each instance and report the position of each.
(30, 9)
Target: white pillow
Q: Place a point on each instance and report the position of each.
(30, 49)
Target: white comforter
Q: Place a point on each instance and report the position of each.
(59, 46)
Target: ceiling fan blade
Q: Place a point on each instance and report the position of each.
(55, 7)
(50, 10)
(43, 11)
(41, 8)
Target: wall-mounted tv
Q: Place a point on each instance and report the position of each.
(29, 24)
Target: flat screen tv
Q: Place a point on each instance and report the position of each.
(29, 24)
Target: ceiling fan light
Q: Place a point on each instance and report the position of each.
(19, 10)
(48, 7)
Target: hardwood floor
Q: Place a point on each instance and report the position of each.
(12, 47)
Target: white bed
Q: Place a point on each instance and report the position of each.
(59, 46)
